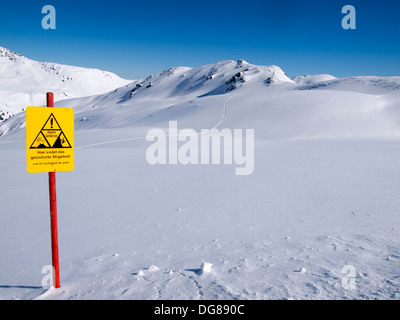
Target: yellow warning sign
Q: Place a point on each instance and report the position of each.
(51, 136)
(49, 139)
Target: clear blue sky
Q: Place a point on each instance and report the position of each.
(138, 38)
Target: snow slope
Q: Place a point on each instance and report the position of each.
(309, 106)
(365, 84)
(311, 79)
(23, 82)
(323, 195)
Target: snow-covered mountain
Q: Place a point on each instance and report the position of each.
(24, 82)
(322, 200)
(237, 92)
(214, 79)
(183, 83)
(172, 86)
(240, 94)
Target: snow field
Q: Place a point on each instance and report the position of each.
(146, 237)
(322, 198)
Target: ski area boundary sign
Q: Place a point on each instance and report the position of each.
(49, 139)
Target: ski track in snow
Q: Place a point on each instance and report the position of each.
(144, 138)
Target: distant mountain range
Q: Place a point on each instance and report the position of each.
(23, 82)
(232, 93)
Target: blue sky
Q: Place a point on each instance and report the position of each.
(138, 38)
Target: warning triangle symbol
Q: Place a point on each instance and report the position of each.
(61, 142)
(51, 124)
(40, 142)
(51, 136)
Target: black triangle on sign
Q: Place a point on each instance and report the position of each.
(61, 142)
(51, 131)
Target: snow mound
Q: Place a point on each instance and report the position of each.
(311, 79)
(206, 268)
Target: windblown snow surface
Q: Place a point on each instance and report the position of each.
(324, 194)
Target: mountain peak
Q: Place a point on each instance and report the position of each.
(190, 83)
(11, 55)
(24, 82)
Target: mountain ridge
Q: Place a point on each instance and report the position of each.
(23, 82)
(241, 95)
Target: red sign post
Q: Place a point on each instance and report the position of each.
(53, 214)
(50, 148)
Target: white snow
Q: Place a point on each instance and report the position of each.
(23, 81)
(206, 267)
(309, 79)
(323, 195)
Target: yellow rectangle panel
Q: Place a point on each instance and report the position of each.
(50, 139)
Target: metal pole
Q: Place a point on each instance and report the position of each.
(53, 214)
